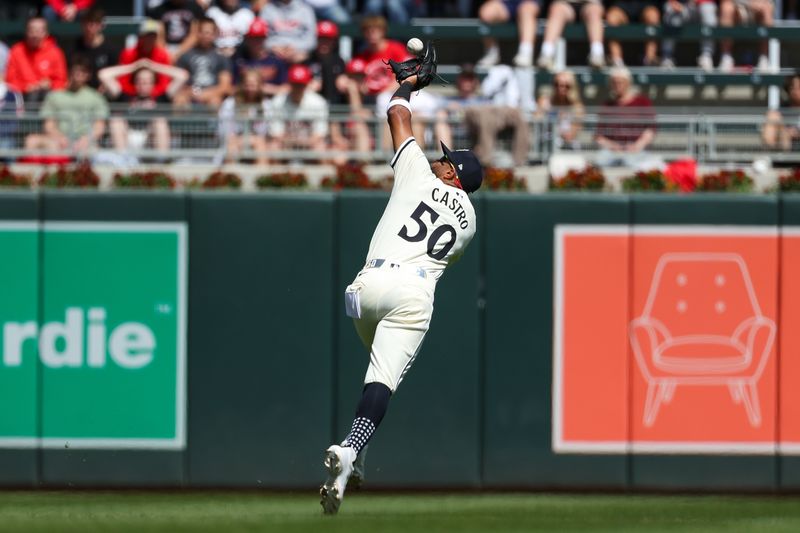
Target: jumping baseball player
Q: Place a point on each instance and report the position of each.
(427, 225)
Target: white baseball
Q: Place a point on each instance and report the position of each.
(414, 46)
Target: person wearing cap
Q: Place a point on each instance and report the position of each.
(253, 55)
(146, 48)
(299, 117)
(327, 65)
(292, 29)
(36, 65)
(209, 71)
(427, 225)
(233, 20)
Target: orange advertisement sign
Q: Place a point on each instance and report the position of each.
(666, 340)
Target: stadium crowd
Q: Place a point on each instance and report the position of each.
(277, 63)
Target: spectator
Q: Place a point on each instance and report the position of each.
(397, 11)
(744, 12)
(355, 134)
(564, 110)
(11, 108)
(93, 45)
(145, 47)
(623, 12)
(292, 29)
(243, 123)
(36, 65)
(490, 108)
(563, 11)
(141, 120)
(74, 118)
(233, 20)
(327, 65)
(378, 50)
(498, 12)
(676, 14)
(331, 10)
(65, 10)
(782, 128)
(209, 71)
(298, 118)
(180, 24)
(626, 125)
(254, 55)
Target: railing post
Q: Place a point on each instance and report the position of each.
(773, 93)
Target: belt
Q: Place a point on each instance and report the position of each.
(381, 263)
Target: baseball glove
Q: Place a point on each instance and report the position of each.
(424, 67)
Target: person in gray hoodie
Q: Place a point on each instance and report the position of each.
(292, 29)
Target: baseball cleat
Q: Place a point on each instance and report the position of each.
(359, 466)
(339, 462)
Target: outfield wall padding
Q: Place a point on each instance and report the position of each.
(274, 368)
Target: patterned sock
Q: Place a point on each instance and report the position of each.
(359, 436)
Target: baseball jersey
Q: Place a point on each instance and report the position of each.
(427, 223)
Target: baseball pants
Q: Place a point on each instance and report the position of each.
(394, 312)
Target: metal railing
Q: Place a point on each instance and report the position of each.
(169, 137)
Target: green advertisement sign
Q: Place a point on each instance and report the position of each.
(93, 335)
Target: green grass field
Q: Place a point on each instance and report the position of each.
(379, 513)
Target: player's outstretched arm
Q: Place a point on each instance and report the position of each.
(399, 113)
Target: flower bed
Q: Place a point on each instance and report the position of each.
(790, 182)
(80, 176)
(653, 180)
(503, 179)
(590, 179)
(222, 180)
(144, 180)
(726, 180)
(350, 176)
(282, 180)
(8, 178)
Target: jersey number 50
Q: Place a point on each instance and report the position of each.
(436, 234)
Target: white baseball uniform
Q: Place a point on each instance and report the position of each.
(426, 226)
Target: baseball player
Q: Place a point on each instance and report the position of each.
(427, 225)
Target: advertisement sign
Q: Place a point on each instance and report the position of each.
(93, 335)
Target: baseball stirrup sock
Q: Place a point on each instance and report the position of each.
(370, 411)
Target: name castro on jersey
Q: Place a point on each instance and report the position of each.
(454, 205)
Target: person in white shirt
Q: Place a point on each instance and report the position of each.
(299, 117)
(233, 20)
(426, 227)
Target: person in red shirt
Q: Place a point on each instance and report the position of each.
(626, 125)
(66, 10)
(36, 65)
(378, 50)
(146, 47)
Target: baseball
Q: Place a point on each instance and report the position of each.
(414, 46)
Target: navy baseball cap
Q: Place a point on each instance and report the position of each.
(468, 168)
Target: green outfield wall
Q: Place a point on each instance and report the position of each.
(584, 341)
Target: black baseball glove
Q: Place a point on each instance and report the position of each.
(424, 67)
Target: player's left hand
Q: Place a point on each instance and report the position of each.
(422, 68)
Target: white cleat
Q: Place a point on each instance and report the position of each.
(339, 462)
(359, 467)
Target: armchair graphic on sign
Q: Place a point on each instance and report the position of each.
(702, 325)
